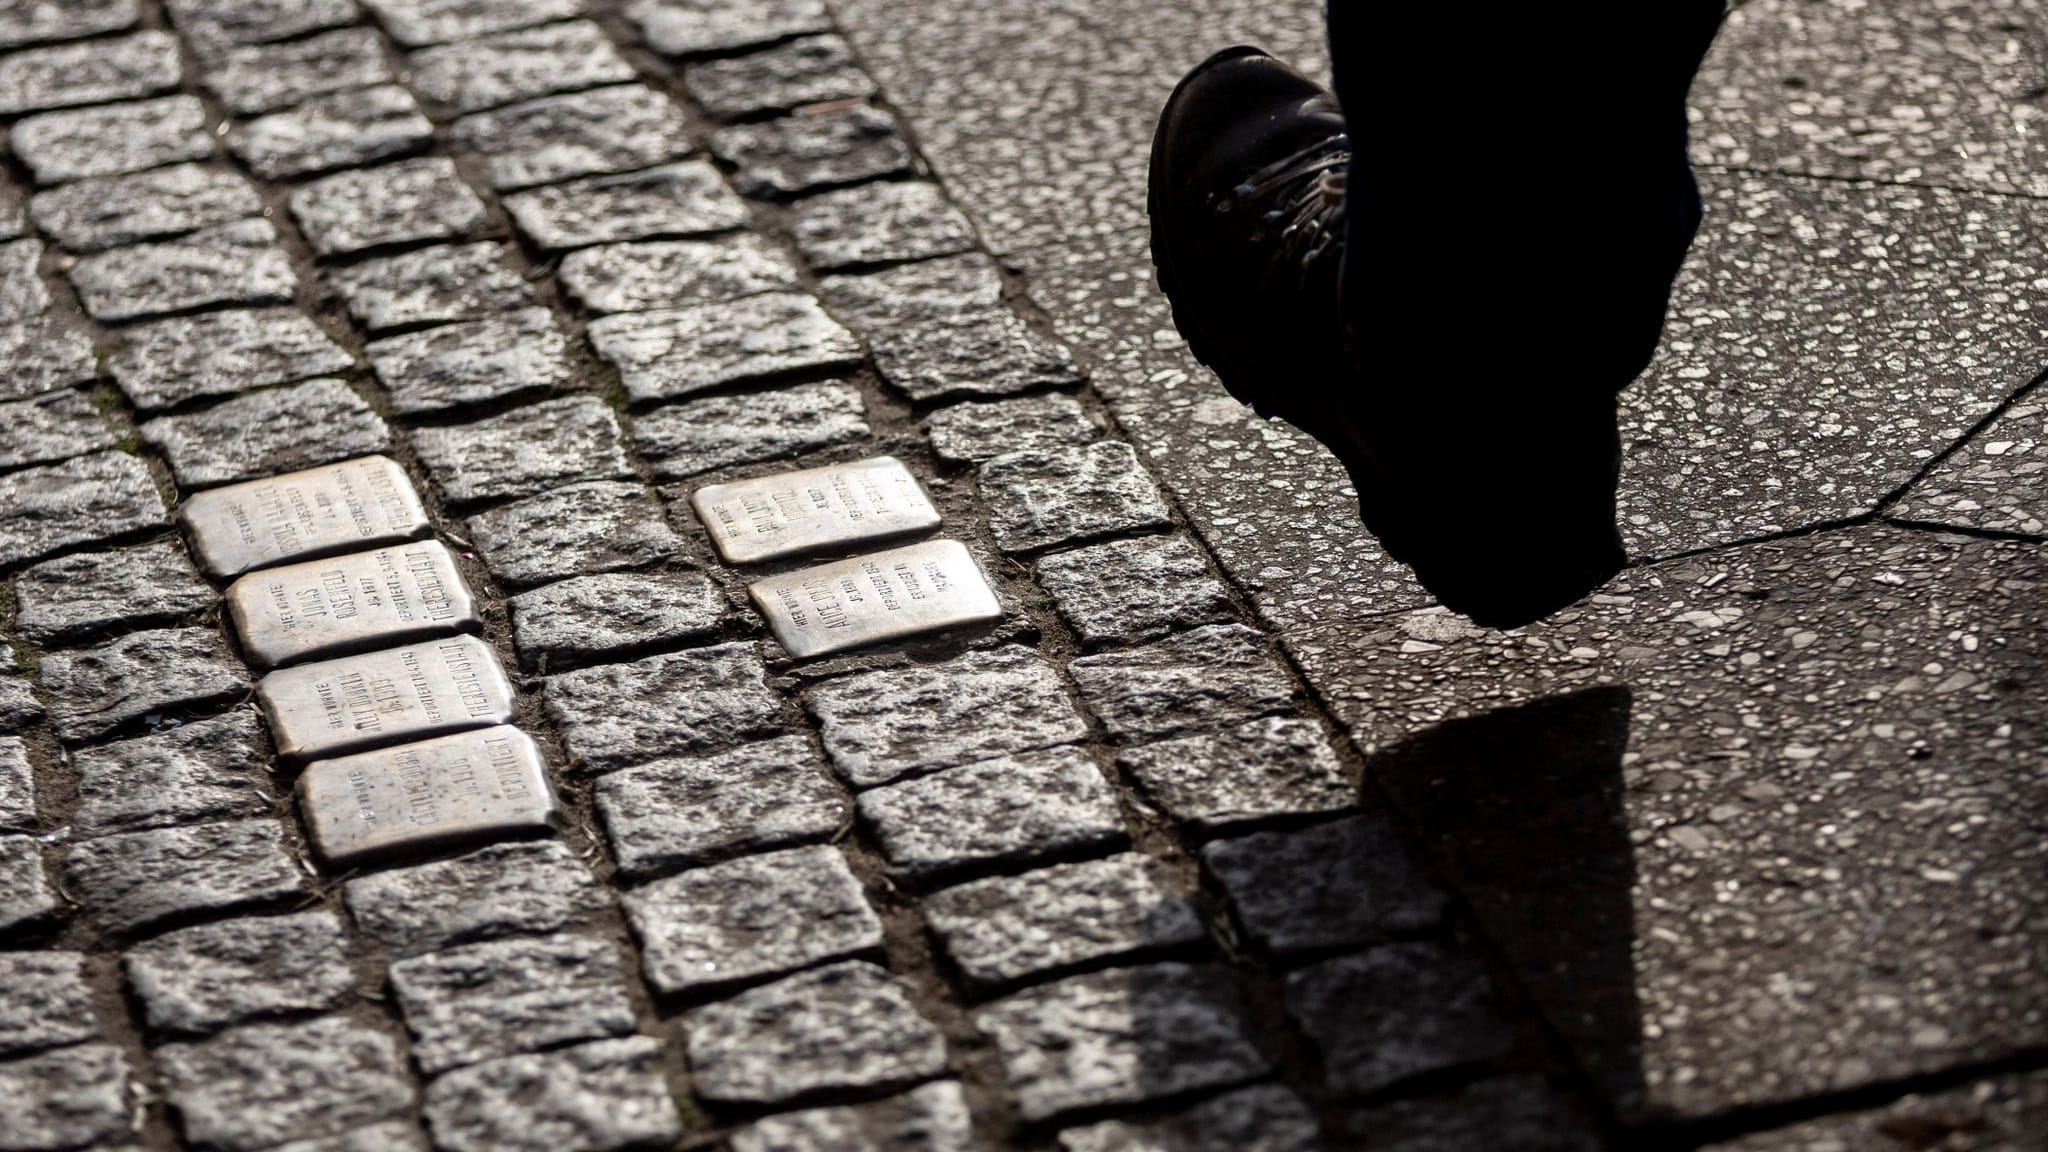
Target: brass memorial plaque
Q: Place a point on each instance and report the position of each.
(324, 608)
(386, 697)
(301, 515)
(890, 595)
(796, 512)
(469, 787)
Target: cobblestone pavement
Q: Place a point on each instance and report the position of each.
(1199, 830)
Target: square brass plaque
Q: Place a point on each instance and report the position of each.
(387, 697)
(372, 599)
(469, 787)
(890, 595)
(796, 512)
(300, 515)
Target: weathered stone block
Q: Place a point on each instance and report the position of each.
(1268, 1118)
(821, 148)
(107, 211)
(749, 918)
(1120, 1037)
(689, 27)
(605, 1096)
(504, 890)
(1053, 496)
(698, 700)
(1343, 883)
(262, 1084)
(389, 1136)
(1396, 1012)
(675, 273)
(23, 295)
(45, 1002)
(927, 290)
(493, 70)
(881, 725)
(142, 64)
(19, 707)
(204, 978)
(70, 1098)
(1008, 929)
(1008, 811)
(264, 433)
(973, 433)
(1133, 590)
(39, 20)
(587, 618)
(1278, 766)
(254, 78)
(410, 200)
(680, 813)
(555, 138)
(95, 691)
(879, 223)
(931, 1118)
(26, 894)
(334, 131)
(238, 263)
(213, 24)
(208, 770)
(808, 70)
(597, 526)
(848, 1025)
(90, 498)
(506, 997)
(984, 352)
(684, 199)
(524, 451)
(432, 286)
(418, 22)
(17, 786)
(676, 351)
(686, 440)
(1520, 1112)
(43, 353)
(164, 363)
(113, 139)
(135, 879)
(53, 426)
(1210, 676)
(495, 358)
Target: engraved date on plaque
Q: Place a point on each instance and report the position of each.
(872, 599)
(466, 788)
(324, 608)
(300, 515)
(796, 512)
(361, 702)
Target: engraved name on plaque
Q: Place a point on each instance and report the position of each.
(794, 512)
(363, 600)
(469, 787)
(301, 515)
(361, 702)
(871, 599)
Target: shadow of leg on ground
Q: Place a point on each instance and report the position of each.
(1521, 811)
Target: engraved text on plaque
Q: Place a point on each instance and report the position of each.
(783, 515)
(366, 599)
(300, 515)
(870, 599)
(472, 786)
(397, 694)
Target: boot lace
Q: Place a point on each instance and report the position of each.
(1299, 201)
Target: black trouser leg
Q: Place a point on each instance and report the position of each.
(1519, 192)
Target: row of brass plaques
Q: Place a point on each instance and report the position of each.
(871, 599)
(401, 716)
